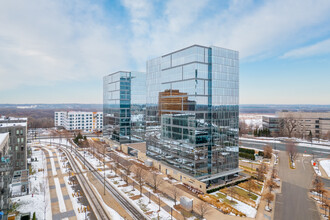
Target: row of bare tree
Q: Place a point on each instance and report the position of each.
(154, 179)
(324, 195)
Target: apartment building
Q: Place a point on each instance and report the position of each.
(6, 172)
(192, 112)
(79, 120)
(124, 98)
(17, 129)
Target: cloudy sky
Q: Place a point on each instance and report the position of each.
(58, 51)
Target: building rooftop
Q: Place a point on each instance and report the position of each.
(138, 146)
(3, 136)
(5, 118)
(13, 124)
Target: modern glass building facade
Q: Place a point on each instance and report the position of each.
(192, 111)
(124, 98)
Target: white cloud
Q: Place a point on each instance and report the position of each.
(255, 30)
(319, 48)
(44, 42)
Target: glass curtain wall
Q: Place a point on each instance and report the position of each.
(192, 110)
(124, 106)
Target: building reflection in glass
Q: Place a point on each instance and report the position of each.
(192, 111)
(124, 97)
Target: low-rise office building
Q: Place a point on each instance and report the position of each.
(17, 129)
(271, 123)
(78, 120)
(305, 123)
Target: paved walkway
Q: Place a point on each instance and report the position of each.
(61, 204)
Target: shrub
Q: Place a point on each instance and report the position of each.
(261, 153)
(247, 156)
(245, 150)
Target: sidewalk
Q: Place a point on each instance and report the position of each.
(261, 212)
(60, 200)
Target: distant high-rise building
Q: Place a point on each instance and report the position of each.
(17, 129)
(124, 98)
(78, 120)
(192, 111)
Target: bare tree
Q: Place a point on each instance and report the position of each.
(115, 158)
(288, 125)
(156, 181)
(175, 193)
(271, 184)
(274, 173)
(203, 208)
(158, 201)
(268, 150)
(128, 168)
(327, 136)
(318, 184)
(292, 151)
(269, 197)
(139, 174)
(243, 128)
(261, 170)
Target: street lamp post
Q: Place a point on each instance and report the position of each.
(104, 169)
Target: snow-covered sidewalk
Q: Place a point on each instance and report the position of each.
(325, 164)
(39, 188)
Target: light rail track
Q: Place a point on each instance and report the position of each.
(133, 211)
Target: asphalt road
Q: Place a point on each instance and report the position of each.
(293, 203)
(318, 151)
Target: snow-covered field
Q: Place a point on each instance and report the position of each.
(326, 166)
(40, 202)
(253, 120)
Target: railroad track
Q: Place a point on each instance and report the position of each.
(94, 202)
(134, 212)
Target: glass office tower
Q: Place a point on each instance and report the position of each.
(192, 111)
(124, 98)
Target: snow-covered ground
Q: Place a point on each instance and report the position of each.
(142, 203)
(75, 202)
(112, 212)
(249, 211)
(40, 202)
(326, 166)
(253, 120)
(316, 168)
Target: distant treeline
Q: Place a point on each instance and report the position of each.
(271, 109)
(37, 118)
